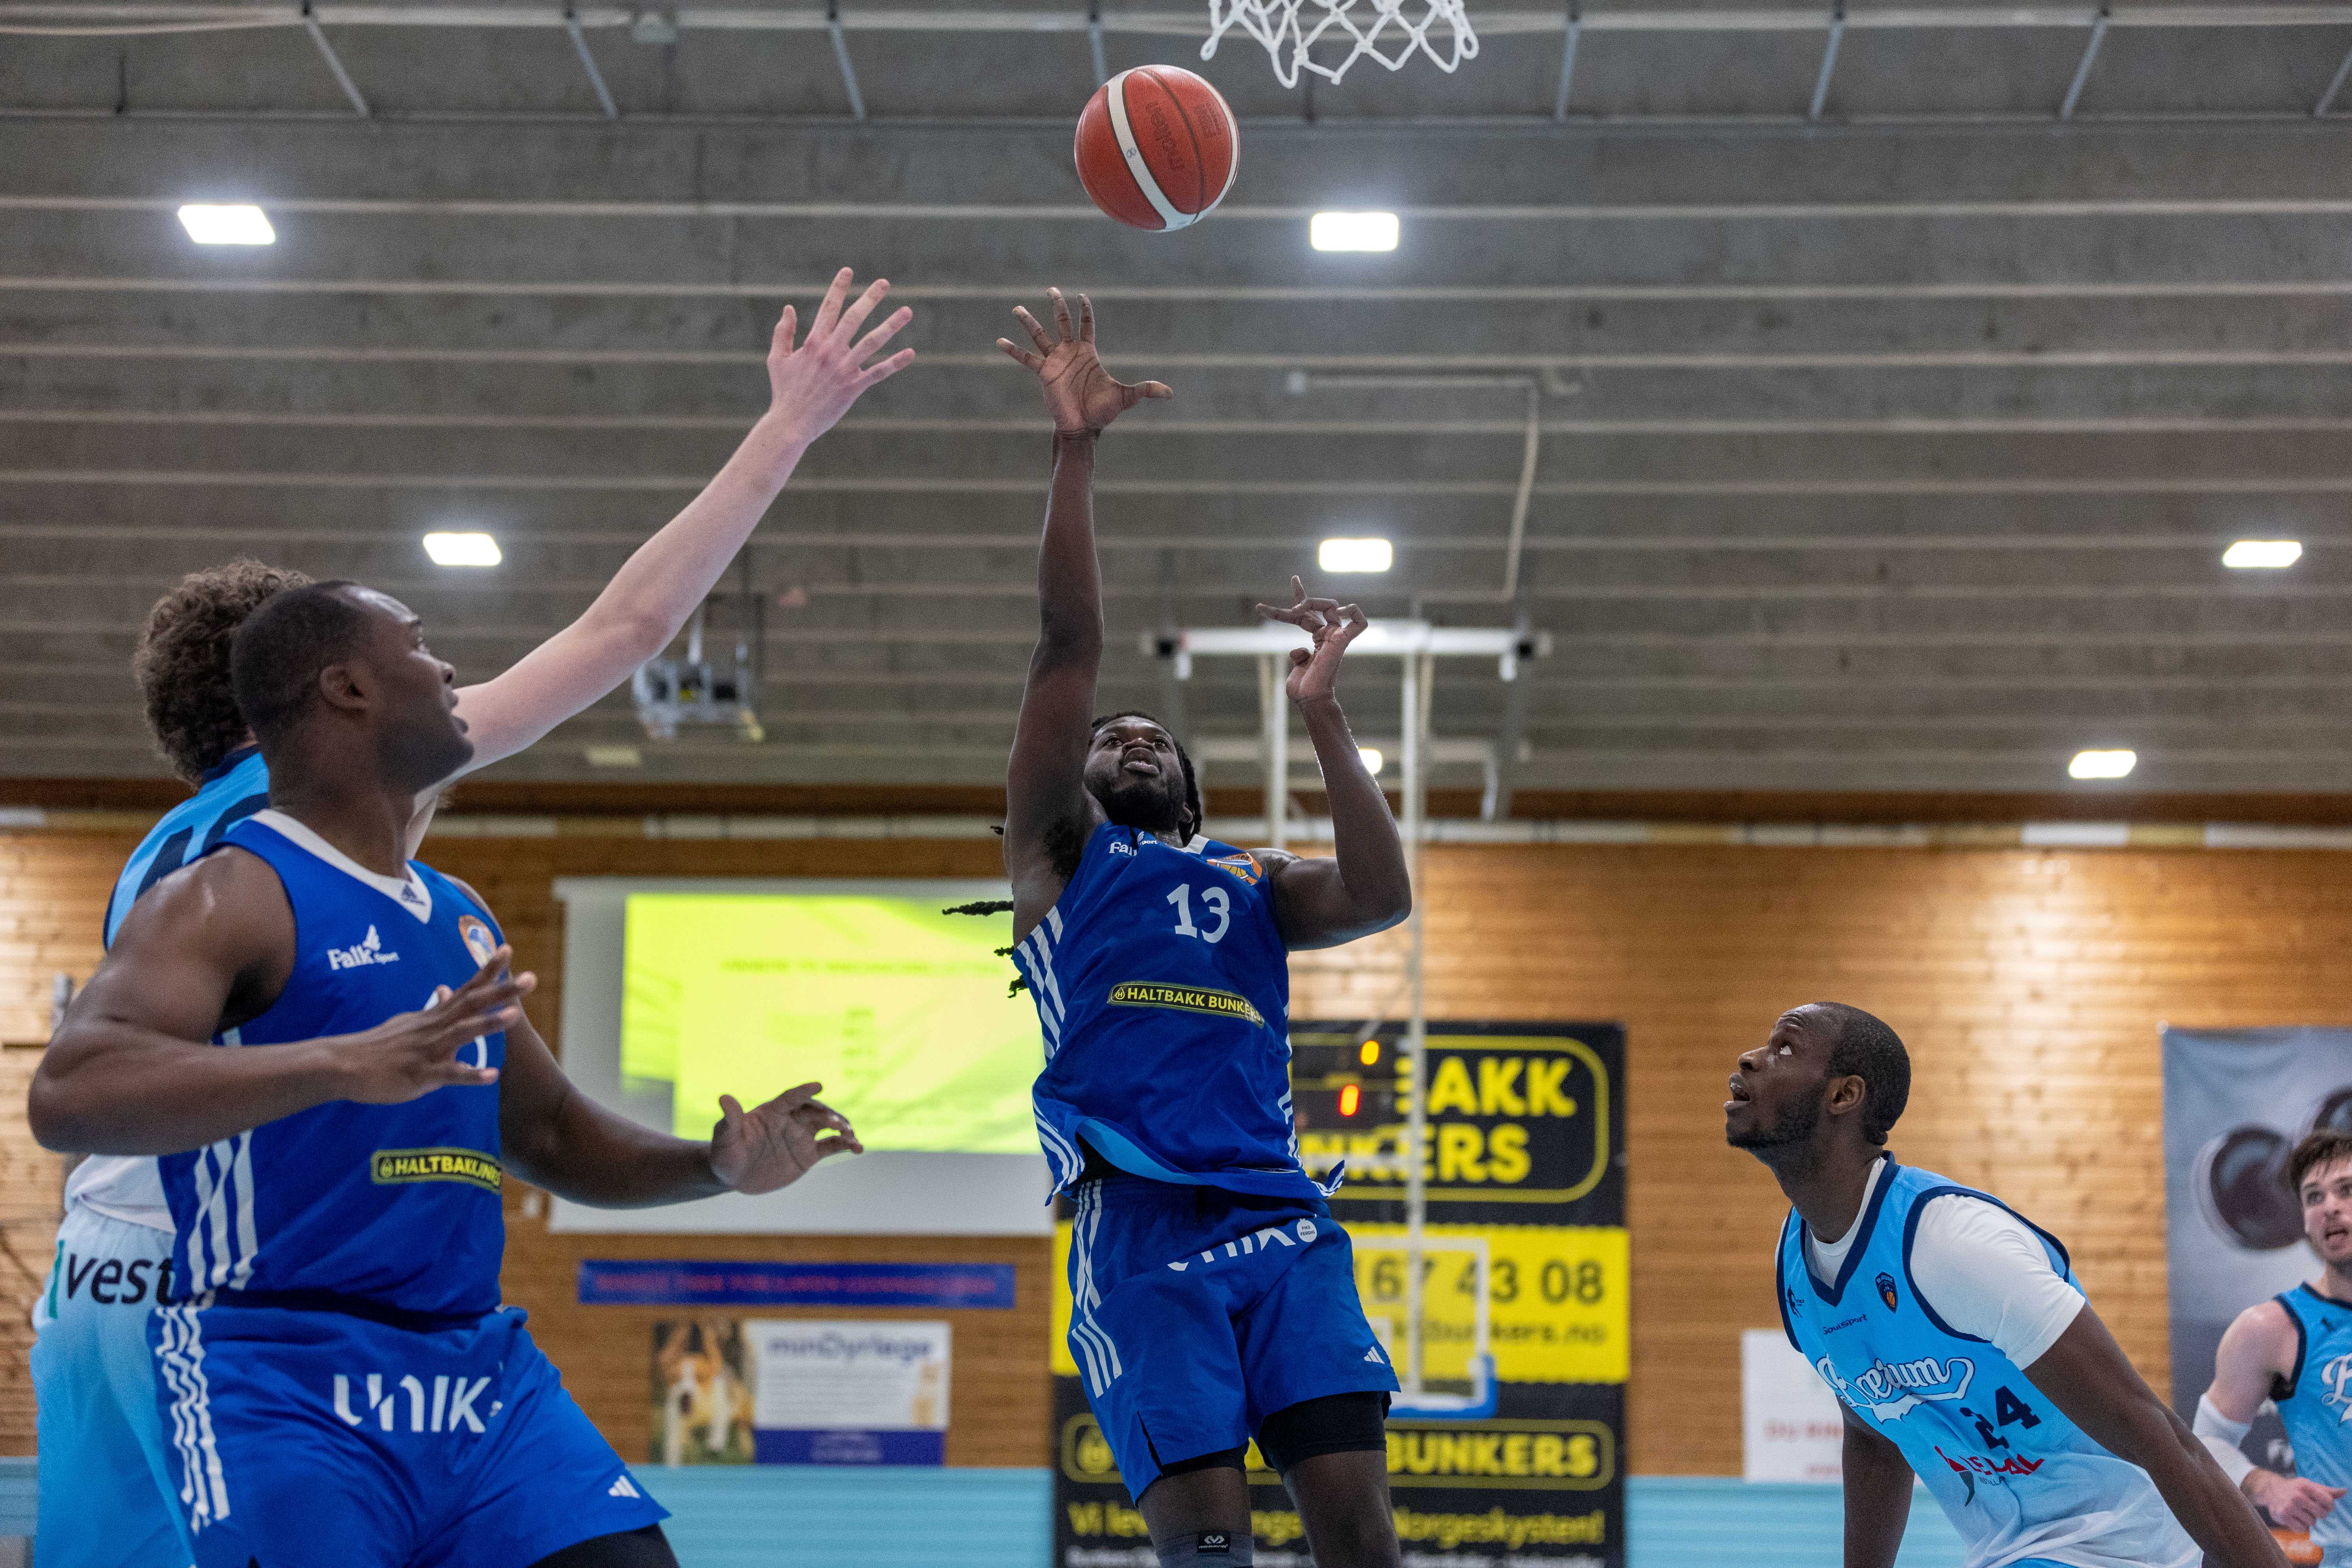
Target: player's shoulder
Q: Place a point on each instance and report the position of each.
(228, 892)
(2266, 1322)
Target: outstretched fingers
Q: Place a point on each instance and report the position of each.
(862, 307)
(1085, 320)
(829, 312)
(781, 342)
(1061, 315)
(871, 343)
(1021, 356)
(1037, 334)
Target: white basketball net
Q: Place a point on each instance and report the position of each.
(1378, 28)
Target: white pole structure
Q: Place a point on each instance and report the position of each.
(1419, 646)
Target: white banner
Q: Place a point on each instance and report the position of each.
(1795, 1431)
(850, 1392)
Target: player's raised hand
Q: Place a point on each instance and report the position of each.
(1079, 393)
(1315, 673)
(812, 387)
(775, 1144)
(410, 1055)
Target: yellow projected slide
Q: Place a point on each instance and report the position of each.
(901, 1010)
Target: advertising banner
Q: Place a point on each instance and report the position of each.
(800, 1392)
(2236, 1103)
(1525, 1316)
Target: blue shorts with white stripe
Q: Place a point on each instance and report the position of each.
(315, 1436)
(1197, 1312)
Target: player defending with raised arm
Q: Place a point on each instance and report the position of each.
(106, 1500)
(1215, 1299)
(323, 1040)
(2296, 1348)
(1956, 1340)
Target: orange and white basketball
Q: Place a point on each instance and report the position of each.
(1158, 147)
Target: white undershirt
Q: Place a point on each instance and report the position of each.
(1978, 1267)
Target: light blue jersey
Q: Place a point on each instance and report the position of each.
(1163, 989)
(392, 1209)
(2019, 1480)
(2315, 1401)
(236, 788)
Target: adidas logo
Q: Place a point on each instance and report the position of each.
(369, 950)
(622, 1488)
(1373, 1356)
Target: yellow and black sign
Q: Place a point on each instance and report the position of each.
(470, 1167)
(1184, 999)
(1524, 1165)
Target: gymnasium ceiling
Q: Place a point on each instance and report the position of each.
(1889, 446)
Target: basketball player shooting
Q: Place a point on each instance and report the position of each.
(339, 1381)
(1958, 1344)
(1214, 1298)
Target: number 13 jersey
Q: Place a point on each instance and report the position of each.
(1163, 988)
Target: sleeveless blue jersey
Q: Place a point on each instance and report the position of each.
(385, 1210)
(234, 790)
(2017, 1479)
(2315, 1401)
(1163, 989)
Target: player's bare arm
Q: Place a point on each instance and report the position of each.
(2259, 1348)
(132, 1071)
(2088, 1377)
(1367, 885)
(1047, 807)
(1878, 1482)
(810, 386)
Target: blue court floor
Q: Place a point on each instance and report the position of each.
(998, 1519)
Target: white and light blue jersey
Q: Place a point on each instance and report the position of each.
(124, 1187)
(384, 1211)
(2315, 1401)
(1164, 990)
(2017, 1478)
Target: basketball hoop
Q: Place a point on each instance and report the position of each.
(1379, 28)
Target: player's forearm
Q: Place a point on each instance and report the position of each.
(2210, 1507)
(588, 1155)
(1365, 841)
(1877, 1500)
(646, 603)
(1069, 578)
(118, 1090)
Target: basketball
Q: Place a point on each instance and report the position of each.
(1157, 147)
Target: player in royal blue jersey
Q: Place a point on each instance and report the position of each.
(324, 1042)
(1214, 1296)
(108, 1489)
(2296, 1349)
(1957, 1341)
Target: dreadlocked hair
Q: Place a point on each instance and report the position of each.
(992, 907)
(182, 664)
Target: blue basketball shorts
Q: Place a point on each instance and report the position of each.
(106, 1485)
(1196, 1313)
(305, 1437)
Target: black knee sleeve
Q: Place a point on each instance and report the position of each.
(1335, 1423)
(1207, 1549)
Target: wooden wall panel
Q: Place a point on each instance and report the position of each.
(2028, 983)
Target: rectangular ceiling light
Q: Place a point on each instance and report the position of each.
(228, 225)
(2102, 764)
(1352, 231)
(462, 549)
(2258, 554)
(1355, 555)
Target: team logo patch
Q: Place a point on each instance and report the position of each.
(1242, 864)
(1186, 999)
(468, 1167)
(368, 950)
(478, 939)
(1887, 1290)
